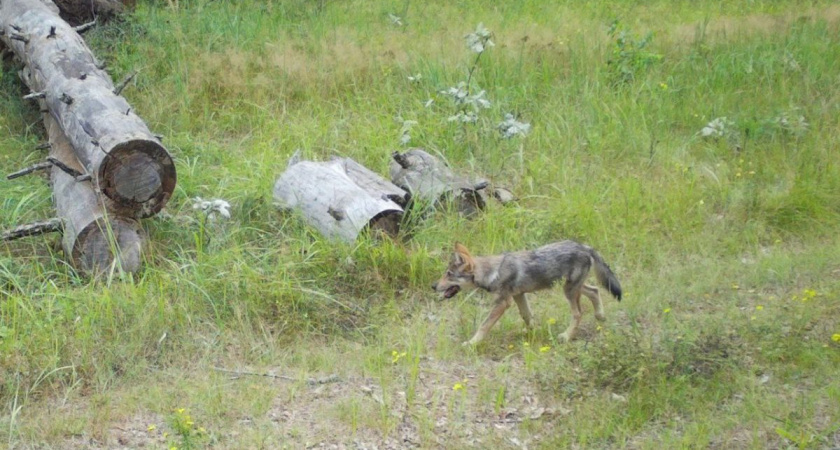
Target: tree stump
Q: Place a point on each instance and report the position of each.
(341, 198)
(129, 165)
(429, 180)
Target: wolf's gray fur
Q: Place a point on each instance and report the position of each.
(511, 275)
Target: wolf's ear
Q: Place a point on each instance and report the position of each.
(463, 257)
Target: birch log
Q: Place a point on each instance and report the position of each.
(129, 165)
(341, 198)
(92, 241)
(429, 180)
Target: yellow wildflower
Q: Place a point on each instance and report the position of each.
(458, 387)
(151, 427)
(666, 310)
(525, 344)
(759, 307)
(544, 349)
(552, 321)
(835, 337)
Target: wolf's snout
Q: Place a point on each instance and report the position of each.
(434, 286)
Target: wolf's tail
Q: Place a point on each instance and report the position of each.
(605, 276)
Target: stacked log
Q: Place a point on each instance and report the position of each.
(128, 164)
(106, 167)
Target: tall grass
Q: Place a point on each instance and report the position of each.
(707, 229)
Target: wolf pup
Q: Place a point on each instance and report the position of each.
(510, 275)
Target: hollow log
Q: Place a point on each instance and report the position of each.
(92, 240)
(341, 198)
(429, 180)
(129, 165)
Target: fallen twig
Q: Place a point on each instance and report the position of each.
(310, 381)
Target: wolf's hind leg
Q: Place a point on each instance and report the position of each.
(502, 304)
(592, 293)
(524, 309)
(573, 296)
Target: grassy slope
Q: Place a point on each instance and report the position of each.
(726, 241)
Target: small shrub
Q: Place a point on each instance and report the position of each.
(629, 54)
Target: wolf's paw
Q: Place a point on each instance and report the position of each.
(600, 316)
(565, 337)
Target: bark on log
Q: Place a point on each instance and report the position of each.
(429, 180)
(341, 198)
(128, 163)
(92, 240)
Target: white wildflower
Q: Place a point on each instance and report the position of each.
(479, 40)
(717, 128)
(212, 207)
(511, 127)
(415, 78)
(395, 19)
(464, 117)
(429, 102)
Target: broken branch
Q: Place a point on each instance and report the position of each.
(33, 229)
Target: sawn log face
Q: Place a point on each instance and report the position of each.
(128, 163)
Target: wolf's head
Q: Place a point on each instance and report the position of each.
(460, 273)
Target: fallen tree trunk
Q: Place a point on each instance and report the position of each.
(431, 181)
(129, 165)
(341, 198)
(93, 241)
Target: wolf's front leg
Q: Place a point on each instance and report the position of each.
(524, 309)
(502, 304)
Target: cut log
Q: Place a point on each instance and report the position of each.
(373, 183)
(341, 198)
(93, 241)
(129, 165)
(429, 180)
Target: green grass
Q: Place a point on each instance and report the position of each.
(734, 237)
